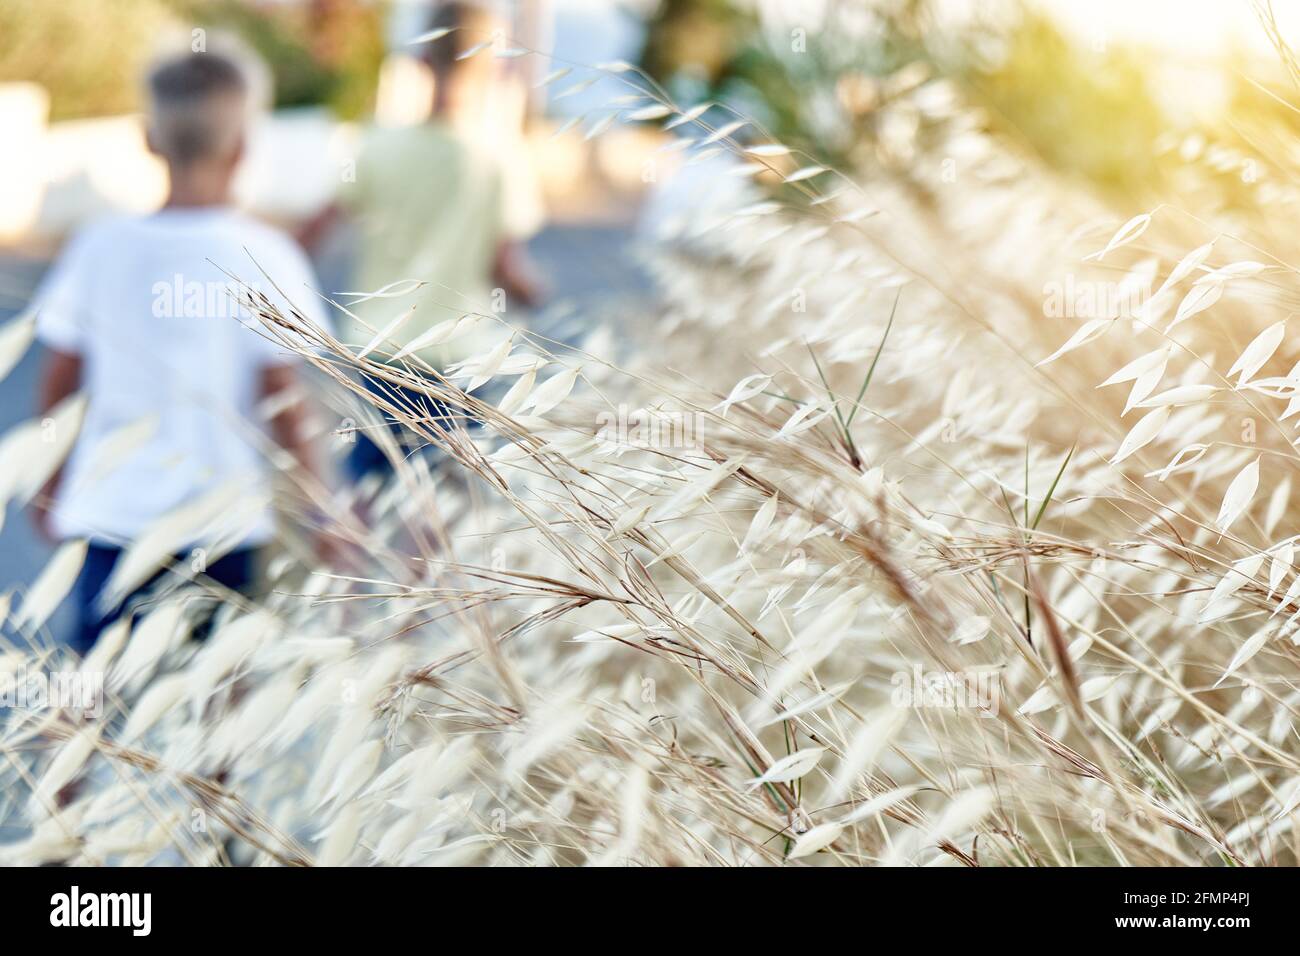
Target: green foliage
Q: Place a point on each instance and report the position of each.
(90, 54)
(86, 53)
(699, 37)
(1084, 112)
(808, 90)
(323, 53)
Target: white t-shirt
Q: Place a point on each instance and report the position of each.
(170, 365)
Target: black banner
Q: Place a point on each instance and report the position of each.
(303, 906)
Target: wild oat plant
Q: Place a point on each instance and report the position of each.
(922, 521)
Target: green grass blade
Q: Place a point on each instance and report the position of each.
(872, 371)
(1042, 509)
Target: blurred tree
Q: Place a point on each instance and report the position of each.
(89, 54)
(698, 37)
(86, 53)
(786, 71)
(1085, 112)
(320, 52)
(817, 77)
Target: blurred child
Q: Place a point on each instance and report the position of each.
(137, 313)
(430, 201)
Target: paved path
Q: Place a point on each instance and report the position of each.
(22, 552)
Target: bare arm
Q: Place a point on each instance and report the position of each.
(513, 272)
(310, 233)
(287, 427)
(60, 378)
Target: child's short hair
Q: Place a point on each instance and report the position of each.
(197, 106)
(469, 23)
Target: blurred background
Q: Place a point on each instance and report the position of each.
(1124, 101)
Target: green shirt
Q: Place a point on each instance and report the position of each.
(429, 206)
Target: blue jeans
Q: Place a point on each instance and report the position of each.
(367, 458)
(234, 571)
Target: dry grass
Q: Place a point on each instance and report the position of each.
(558, 649)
